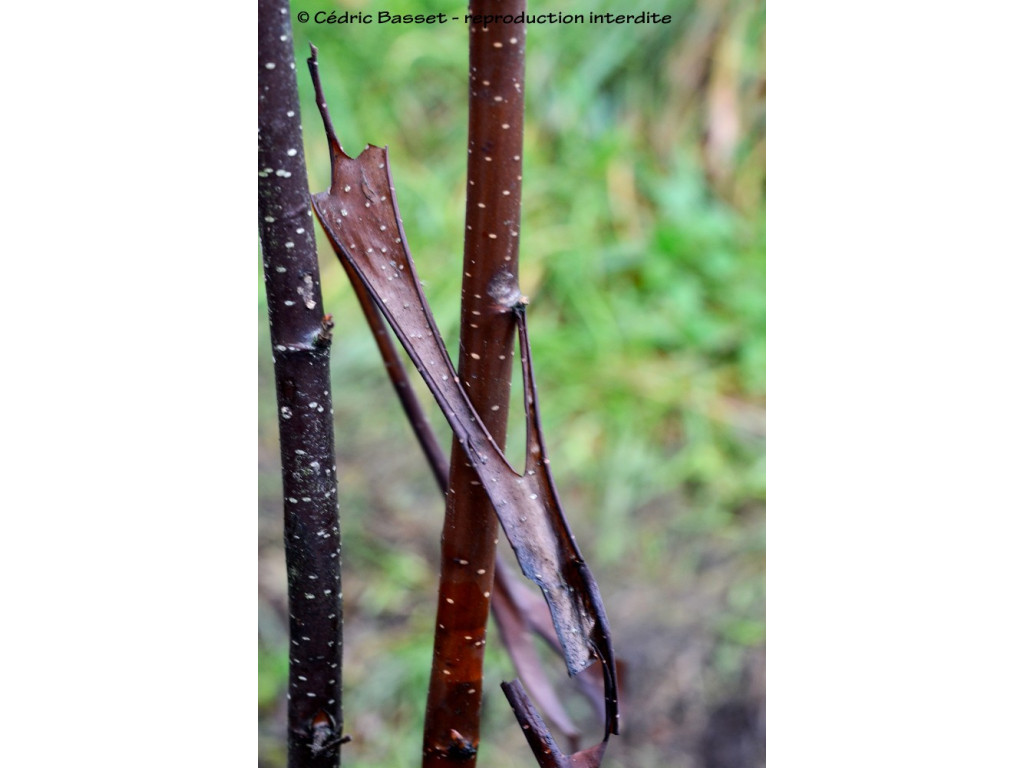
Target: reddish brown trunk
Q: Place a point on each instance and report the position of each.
(490, 272)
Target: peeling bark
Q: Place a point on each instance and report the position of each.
(360, 216)
(540, 739)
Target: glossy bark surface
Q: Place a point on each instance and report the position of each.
(486, 346)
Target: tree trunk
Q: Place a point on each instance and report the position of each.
(487, 333)
(300, 335)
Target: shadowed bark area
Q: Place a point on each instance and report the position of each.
(300, 336)
(539, 738)
(486, 336)
(521, 615)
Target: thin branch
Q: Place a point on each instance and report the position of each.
(300, 334)
(513, 619)
(540, 739)
(521, 614)
(392, 362)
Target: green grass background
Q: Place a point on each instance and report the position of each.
(643, 256)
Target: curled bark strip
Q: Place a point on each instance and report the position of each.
(540, 739)
(362, 222)
(512, 614)
(392, 363)
(519, 614)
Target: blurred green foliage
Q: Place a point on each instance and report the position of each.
(642, 253)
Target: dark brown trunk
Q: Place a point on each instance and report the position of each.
(300, 335)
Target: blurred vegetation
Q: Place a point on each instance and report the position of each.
(643, 256)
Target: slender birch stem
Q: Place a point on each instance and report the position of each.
(300, 335)
(490, 267)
